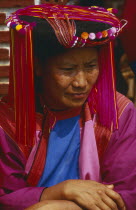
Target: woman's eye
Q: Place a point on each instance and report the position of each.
(91, 67)
(67, 69)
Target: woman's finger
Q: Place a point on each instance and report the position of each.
(108, 201)
(116, 197)
(111, 186)
(96, 201)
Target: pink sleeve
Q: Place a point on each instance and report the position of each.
(14, 192)
(119, 163)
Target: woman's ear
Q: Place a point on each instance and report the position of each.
(37, 67)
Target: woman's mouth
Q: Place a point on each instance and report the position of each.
(79, 95)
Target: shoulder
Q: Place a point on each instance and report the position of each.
(123, 104)
(7, 130)
(126, 113)
(10, 150)
(126, 120)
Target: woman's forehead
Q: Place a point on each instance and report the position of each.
(75, 55)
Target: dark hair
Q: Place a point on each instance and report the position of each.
(86, 3)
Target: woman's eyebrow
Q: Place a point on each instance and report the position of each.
(68, 64)
(73, 64)
(91, 61)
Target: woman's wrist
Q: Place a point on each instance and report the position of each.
(56, 192)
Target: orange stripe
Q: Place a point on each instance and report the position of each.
(113, 84)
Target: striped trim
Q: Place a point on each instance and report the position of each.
(122, 103)
(102, 133)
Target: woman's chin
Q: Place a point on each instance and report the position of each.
(74, 104)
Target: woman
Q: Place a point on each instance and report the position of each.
(85, 131)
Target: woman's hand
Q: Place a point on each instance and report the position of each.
(54, 205)
(86, 193)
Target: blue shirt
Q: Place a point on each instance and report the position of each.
(63, 153)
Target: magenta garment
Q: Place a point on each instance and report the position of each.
(118, 167)
(14, 193)
(119, 164)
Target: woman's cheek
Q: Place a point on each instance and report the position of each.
(63, 82)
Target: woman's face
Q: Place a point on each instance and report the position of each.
(69, 77)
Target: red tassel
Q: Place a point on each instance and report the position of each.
(23, 85)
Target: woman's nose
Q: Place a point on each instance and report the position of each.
(80, 79)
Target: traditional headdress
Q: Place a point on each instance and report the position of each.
(99, 27)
